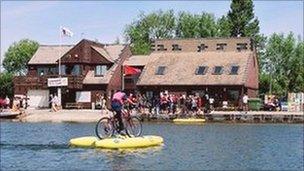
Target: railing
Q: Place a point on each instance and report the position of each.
(74, 82)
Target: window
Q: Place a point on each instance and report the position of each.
(63, 69)
(234, 70)
(201, 48)
(233, 95)
(54, 71)
(201, 70)
(76, 70)
(129, 80)
(218, 70)
(152, 47)
(161, 48)
(221, 46)
(100, 70)
(42, 71)
(160, 70)
(241, 46)
(175, 47)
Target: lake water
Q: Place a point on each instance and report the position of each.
(32, 146)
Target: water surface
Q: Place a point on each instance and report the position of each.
(32, 146)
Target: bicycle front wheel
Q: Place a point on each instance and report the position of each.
(104, 128)
(133, 126)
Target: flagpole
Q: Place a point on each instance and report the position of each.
(123, 78)
(59, 65)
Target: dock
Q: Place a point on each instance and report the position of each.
(256, 116)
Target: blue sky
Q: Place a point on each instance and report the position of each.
(106, 20)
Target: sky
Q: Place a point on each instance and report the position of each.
(105, 20)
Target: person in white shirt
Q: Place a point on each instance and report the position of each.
(211, 101)
(245, 102)
(7, 102)
(54, 101)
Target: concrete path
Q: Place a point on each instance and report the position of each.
(62, 116)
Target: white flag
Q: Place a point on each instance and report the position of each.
(66, 32)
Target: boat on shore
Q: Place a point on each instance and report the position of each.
(8, 114)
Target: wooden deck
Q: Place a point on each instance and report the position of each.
(255, 116)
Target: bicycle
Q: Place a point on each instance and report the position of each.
(107, 126)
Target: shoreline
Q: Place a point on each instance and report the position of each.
(92, 116)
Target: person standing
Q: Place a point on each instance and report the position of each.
(245, 102)
(211, 101)
(7, 102)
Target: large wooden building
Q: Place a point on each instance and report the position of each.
(223, 68)
(87, 68)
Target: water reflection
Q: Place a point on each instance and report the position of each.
(121, 159)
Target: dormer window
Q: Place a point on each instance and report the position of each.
(221, 46)
(161, 48)
(234, 70)
(175, 47)
(152, 47)
(160, 70)
(201, 48)
(100, 70)
(201, 70)
(241, 46)
(218, 70)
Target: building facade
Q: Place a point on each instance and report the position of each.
(223, 68)
(87, 68)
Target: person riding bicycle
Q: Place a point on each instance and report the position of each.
(118, 100)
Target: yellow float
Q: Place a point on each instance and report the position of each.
(188, 120)
(117, 142)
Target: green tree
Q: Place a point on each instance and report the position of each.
(155, 25)
(241, 18)
(207, 26)
(186, 25)
(196, 26)
(223, 26)
(283, 61)
(6, 84)
(18, 55)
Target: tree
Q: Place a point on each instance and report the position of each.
(18, 55)
(186, 25)
(117, 41)
(6, 84)
(283, 61)
(207, 25)
(156, 25)
(196, 26)
(223, 25)
(241, 18)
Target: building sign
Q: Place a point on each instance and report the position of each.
(56, 82)
(83, 96)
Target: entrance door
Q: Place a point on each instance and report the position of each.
(38, 98)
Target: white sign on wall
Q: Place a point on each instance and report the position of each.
(83, 96)
(56, 82)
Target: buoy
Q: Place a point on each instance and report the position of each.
(189, 120)
(118, 142)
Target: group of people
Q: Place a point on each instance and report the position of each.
(15, 105)
(166, 103)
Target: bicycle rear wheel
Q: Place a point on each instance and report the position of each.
(133, 126)
(104, 128)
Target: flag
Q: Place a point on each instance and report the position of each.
(66, 32)
(131, 70)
